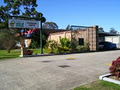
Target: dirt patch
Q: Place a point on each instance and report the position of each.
(114, 77)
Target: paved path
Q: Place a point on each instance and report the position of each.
(45, 73)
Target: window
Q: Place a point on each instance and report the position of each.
(81, 41)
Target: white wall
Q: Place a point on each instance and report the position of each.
(113, 39)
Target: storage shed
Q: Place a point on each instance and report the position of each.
(113, 39)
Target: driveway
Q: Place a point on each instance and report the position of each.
(54, 72)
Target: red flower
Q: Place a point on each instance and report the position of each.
(115, 68)
(112, 69)
(118, 59)
(114, 63)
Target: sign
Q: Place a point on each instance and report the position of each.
(15, 23)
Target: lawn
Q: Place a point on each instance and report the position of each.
(37, 51)
(16, 52)
(99, 85)
(5, 55)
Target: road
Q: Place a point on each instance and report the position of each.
(54, 72)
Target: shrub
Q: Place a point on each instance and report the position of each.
(83, 48)
(115, 67)
(65, 45)
(54, 47)
(51, 46)
(33, 45)
(7, 39)
(73, 47)
(63, 49)
(64, 42)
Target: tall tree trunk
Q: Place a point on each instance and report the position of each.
(9, 50)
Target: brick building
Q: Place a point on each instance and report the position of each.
(82, 35)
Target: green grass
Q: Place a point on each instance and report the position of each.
(15, 53)
(37, 51)
(99, 85)
(5, 55)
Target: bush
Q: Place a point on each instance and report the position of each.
(51, 46)
(7, 39)
(83, 48)
(65, 43)
(115, 67)
(54, 47)
(62, 49)
(65, 46)
(33, 45)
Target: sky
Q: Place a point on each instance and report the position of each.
(105, 13)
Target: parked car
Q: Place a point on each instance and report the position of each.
(107, 46)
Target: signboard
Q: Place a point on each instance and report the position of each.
(15, 23)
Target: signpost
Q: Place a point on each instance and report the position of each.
(20, 23)
(16, 23)
(41, 48)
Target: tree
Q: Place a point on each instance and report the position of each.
(112, 30)
(17, 8)
(50, 25)
(68, 27)
(101, 29)
(14, 6)
(3, 17)
(7, 39)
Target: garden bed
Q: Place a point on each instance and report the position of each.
(110, 78)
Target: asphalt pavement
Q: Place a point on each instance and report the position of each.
(54, 72)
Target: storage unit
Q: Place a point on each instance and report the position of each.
(113, 39)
